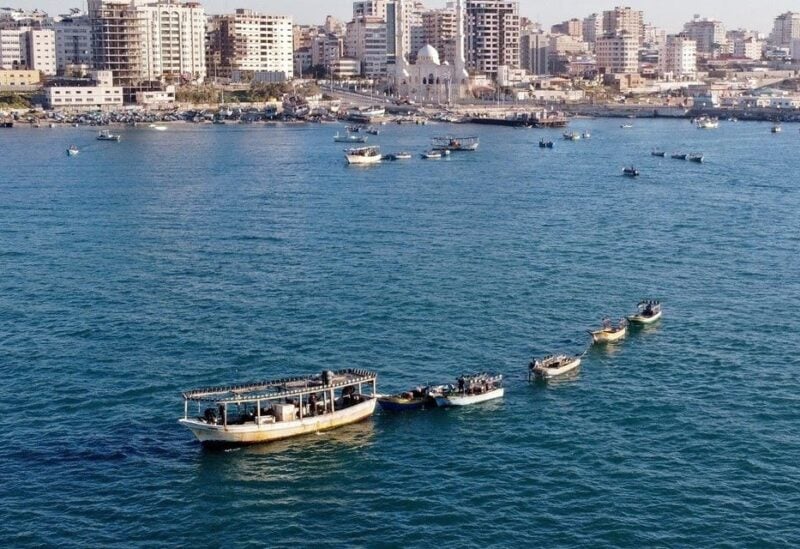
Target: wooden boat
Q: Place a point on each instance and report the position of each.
(572, 136)
(455, 144)
(553, 366)
(660, 154)
(398, 156)
(415, 399)
(106, 135)
(432, 155)
(630, 172)
(73, 150)
(777, 128)
(680, 156)
(696, 158)
(363, 155)
(609, 333)
(265, 411)
(626, 126)
(706, 123)
(470, 389)
(648, 312)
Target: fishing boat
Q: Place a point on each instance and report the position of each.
(73, 150)
(106, 135)
(363, 155)
(572, 136)
(347, 138)
(398, 156)
(647, 312)
(266, 411)
(777, 128)
(545, 144)
(630, 172)
(432, 155)
(626, 126)
(706, 123)
(696, 158)
(680, 156)
(552, 366)
(414, 399)
(373, 131)
(470, 389)
(610, 333)
(660, 154)
(455, 144)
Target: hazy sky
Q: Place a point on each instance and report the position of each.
(751, 14)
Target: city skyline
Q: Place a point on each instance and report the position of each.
(670, 16)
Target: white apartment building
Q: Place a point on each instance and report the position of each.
(254, 42)
(492, 35)
(100, 93)
(785, 29)
(679, 58)
(624, 19)
(367, 41)
(41, 45)
(13, 49)
(174, 41)
(73, 42)
(709, 34)
(370, 8)
(748, 48)
(618, 53)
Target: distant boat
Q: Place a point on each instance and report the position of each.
(696, 158)
(106, 135)
(777, 128)
(73, 150)
(338, 138)
(630, 172)
(399, 156)
(680, 156)
(373, 131)
(455, 144)
(610, 333)
(648, 312)
(572, 136)
(626, 126)
(553, 366)
(432, 155)
(414, 399)
(158, 128)
(706, 123)
(660, 154)
(363, 155)
(587, 135)
(471, 389)
(545, 144)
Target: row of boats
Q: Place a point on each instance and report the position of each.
(440, 148)
(270, 410)
(691, 157)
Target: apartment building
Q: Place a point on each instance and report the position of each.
(618, 53)
(534, 52)
(709, 34)
(73, 42)
(440, 28)
(366, 41)
(41, 44)
(679, 57)
(492, 35)
(624, 19)
(785, 29)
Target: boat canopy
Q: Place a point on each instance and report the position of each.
(281, 388)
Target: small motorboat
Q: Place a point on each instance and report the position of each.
(545, 144)
(777, 128)
(347, 138)
(660, 154)
(648, 312)
(572, 136)
(399, 156)
(432, 155)
(418, 398)
(470, 389)
(73, 150)
(553, 366)
(680, 156)
(630, 172)
(610, 333)
(706, 123)
(626, 126)
(106, 135)
(696, 158)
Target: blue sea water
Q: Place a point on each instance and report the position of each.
(206, 255)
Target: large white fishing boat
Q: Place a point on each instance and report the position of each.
(471, 389)
(272, 410)
(363, 155)
(553, 366)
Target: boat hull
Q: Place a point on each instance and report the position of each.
(466, 400)
(640, 319)
(358, 160)
(258, 434)
(549, 373)
(604, 336)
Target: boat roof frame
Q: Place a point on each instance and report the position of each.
(266, 390)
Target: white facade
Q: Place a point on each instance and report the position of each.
(367, 41)
(679, 57)
(42, 51)
(785, 29)
(175, 42)
(103, 94)
(708, 33)
(13, 49)
(618, 54)
(261, 42)
(621, 20)
(73, 42)
(748, 48)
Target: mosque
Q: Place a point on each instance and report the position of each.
(430, 80)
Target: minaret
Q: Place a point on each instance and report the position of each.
(460, 63)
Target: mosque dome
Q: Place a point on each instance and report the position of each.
(428, 54)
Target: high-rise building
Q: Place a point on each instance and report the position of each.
(679, 57)
(708, 33)
(439, 30)
(370, 8)
(41, 45)
(247, 42)
(592, 29)
(534, 52)
(572, 27)
(366, 40)
(492, 35)
(785, 29)
(618, 53)
(73, 42)
(143, 41)
(14, 48)
(624, 19)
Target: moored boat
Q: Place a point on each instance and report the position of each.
(680, 156)
(647, 312)
(347, 138)
(455, 144)
(470, 389)
(363, 155)
(706, 123)
(626, 126)
(553, 366)
(73, 150)
(266, 411)
(777, 128)
(545, 144)
(660, 154)
(106, 135)
(432, 155)
(630, 172)
(572, 136)
(398, 156)
(610, 333)
(696, 158)
(414, 399)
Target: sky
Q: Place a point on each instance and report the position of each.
(671, 14)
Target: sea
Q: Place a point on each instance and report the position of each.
(206, 255)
